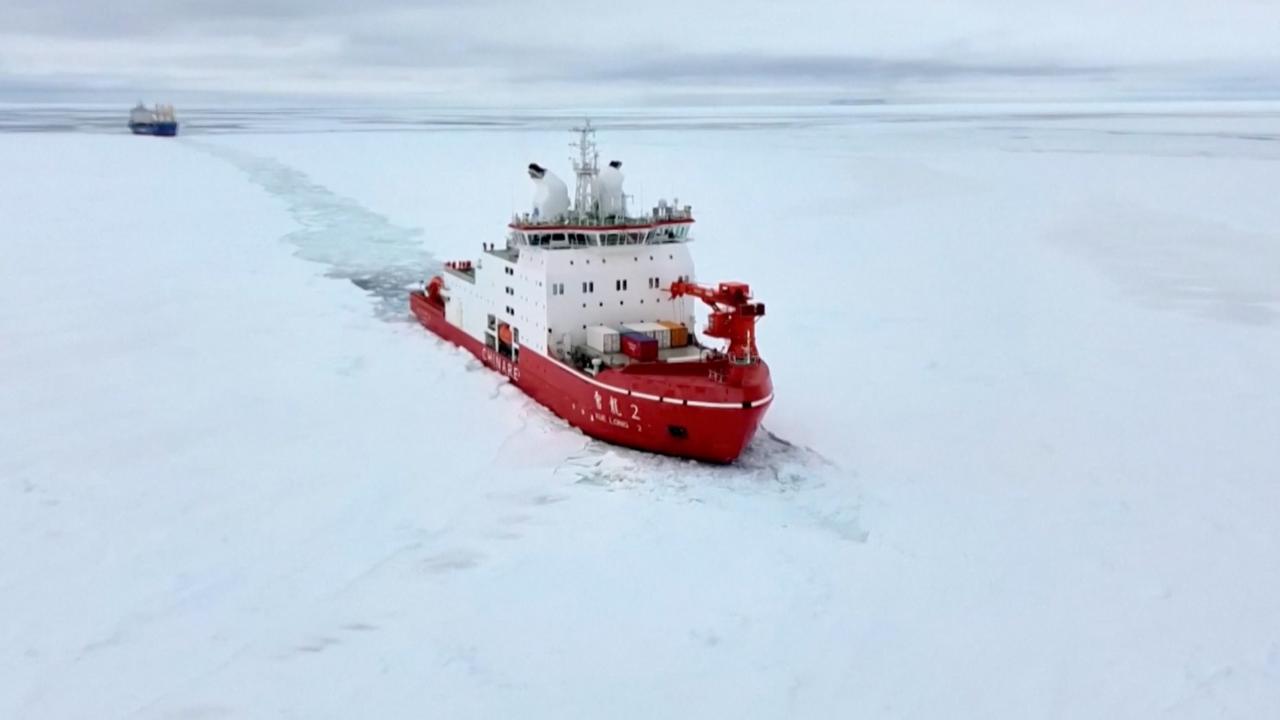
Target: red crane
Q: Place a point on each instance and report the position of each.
(733, 315)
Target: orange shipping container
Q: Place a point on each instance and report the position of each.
(679, 334)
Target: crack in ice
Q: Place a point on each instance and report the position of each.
(354, 242)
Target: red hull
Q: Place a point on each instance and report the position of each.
(704, 410)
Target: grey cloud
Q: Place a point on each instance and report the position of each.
(744, 68)
(445, 48)
(135, 18)
(538, 47)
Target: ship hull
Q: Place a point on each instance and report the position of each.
(708, 431)
(160, 129)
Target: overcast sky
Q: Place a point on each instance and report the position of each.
(508, 51)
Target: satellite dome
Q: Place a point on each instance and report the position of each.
(550, 194)
(608, 190)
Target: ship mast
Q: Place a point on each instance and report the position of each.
(585, 166)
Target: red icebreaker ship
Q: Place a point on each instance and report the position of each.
(590, 311)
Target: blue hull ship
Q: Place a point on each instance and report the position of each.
(164, 129)
(159, 121)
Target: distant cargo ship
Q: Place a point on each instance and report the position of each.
(157, 121)
(589, 309)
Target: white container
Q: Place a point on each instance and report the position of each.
(658, 332)
(603, 338)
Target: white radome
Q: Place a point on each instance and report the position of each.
(550, 196)
(608, 187)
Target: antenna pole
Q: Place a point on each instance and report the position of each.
(585, 166)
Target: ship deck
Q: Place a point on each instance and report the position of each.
(504, 253)
(468, 274)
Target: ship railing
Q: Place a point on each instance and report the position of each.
(591, 220)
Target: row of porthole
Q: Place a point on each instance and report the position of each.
(636, 258)
(622, 302)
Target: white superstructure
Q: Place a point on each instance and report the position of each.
(560, 273)
(141, 114)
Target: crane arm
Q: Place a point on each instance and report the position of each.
(731, 294)
(733, 315)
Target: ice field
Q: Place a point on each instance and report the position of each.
(1023, 462)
